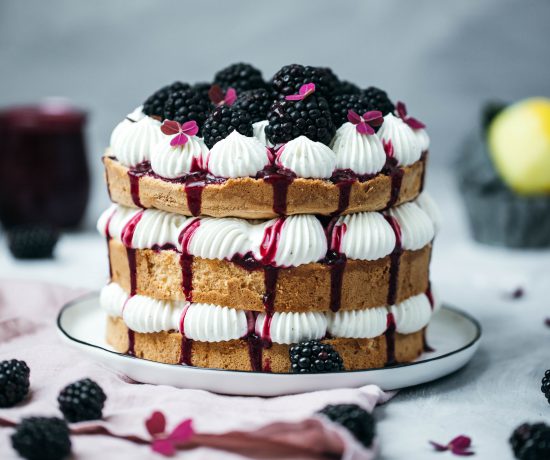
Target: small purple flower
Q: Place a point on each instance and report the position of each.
(364, 124)
(458, 446)
(181, 132)
(219, 97)
(412, 122)
(305, 91)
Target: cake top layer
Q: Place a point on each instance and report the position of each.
(304, 121)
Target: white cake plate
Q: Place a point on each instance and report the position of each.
(453, 334)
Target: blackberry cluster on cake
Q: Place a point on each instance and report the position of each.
(256, 102)
(222, 121)
(290, 78)
(154, 104)
(309, 117)
(240, 76)
(187, 105)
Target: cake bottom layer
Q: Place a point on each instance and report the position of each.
(250, 355)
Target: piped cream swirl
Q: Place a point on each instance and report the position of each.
(133, 142)
(361, 153)
(405, 147)
(307, 158)
(237, 156)
(173, 162)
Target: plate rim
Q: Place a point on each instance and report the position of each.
(444, 305)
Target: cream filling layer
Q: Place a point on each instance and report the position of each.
(282, 242)
(213, 323)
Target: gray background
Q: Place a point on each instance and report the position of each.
(442, 58)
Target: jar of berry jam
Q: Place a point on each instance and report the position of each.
(44, 176)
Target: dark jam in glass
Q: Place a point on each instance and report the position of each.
(44, 175)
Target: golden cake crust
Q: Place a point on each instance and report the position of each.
(253, 198)
(303, 288)
(165, 347)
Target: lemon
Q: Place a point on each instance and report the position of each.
(519, 145)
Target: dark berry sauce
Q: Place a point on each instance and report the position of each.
(390, 340)
(186, 259)
(395, 261)
(280, 180)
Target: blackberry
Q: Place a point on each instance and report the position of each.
(202, 88)
(309, 117)
(531, 442)
(154, 105)
(314, 357)
(290, 78)
(186, 105)
(42, 438)
(255, 102)
(32, 241)
(545, 386)
(240, 76)
(342, 103)
(346, 87)
(378, 100)
(357, 420)
(222, 121)
(82, 400)
(14, 382)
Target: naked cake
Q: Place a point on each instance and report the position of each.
(271, 226)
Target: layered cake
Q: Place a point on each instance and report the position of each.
(271, 226)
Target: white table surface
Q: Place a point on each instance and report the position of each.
(497, 391)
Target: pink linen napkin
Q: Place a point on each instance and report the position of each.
(226, 426)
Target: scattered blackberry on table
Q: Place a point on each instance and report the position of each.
(290, 78)
(256, 102)
(32, 241)
(378, 100)
(222, 121)
(343, 103)
(82, 400)
(356, 419)
(42, 438)
(14, 382)
(346, 87)
(309, 117)
(154, 105)
(531, 442)
(186, 105)
(314, 357)
(545, 386)
(240, 76)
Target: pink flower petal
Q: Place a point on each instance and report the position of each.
(170, 127)
(414, 123)
(461, 452)
(156, 424)
(178, 140)
(305, 91)
(215, 93)
(230, 96)
(190, 128)
(183, 432)
(438, 447)
(462, 442)
(364, 128)
(353, 117)
(401, 109)
(372, 115)
(164, 447)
